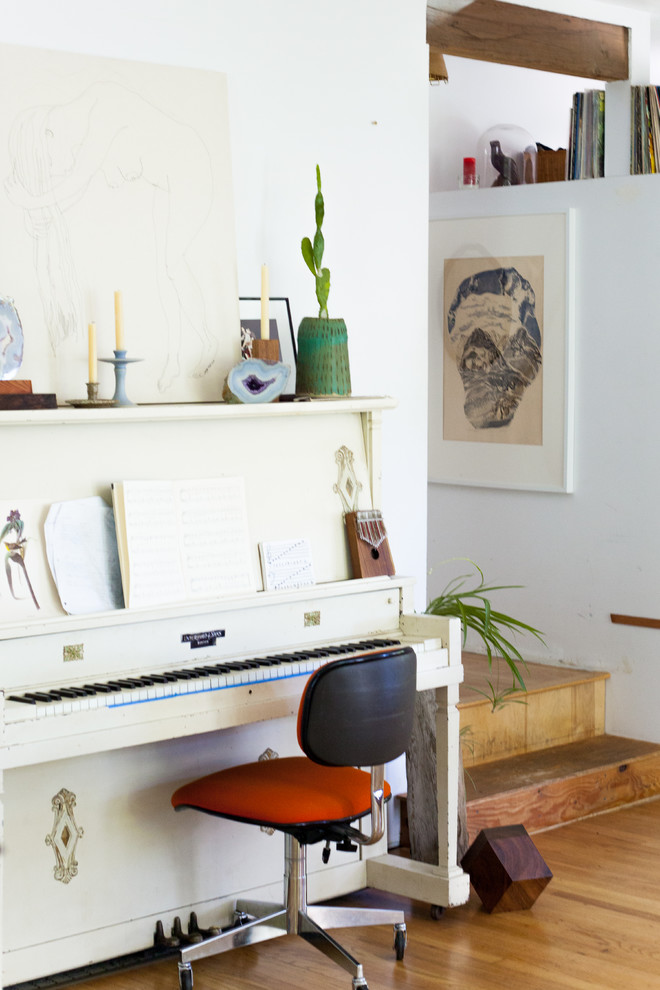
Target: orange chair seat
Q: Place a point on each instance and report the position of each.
(285, 791)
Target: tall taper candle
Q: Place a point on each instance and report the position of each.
(119, 322)
(265, 321)
(93, 367)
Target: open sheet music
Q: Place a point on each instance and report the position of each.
(182, 540)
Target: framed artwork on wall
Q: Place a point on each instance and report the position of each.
(500, 352)
(280, 328)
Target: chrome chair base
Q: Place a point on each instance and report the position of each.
(259, 921)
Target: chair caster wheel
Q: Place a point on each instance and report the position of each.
(185, 976)
(437, 912)
(400, 940)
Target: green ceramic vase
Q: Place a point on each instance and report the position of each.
(322, 366)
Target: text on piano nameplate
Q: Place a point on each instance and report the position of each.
(200, 639)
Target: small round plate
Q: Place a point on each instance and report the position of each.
(11, 339)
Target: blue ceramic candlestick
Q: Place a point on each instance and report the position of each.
(120, 361)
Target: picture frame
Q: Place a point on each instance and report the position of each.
(281, 327)
(499, 416)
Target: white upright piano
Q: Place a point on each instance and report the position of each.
(104, 715)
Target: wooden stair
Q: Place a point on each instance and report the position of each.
(543, 758)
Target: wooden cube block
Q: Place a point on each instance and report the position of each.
(505, 868)
(14, 385)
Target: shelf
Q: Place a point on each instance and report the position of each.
(181, 412)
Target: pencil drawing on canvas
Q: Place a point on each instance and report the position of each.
(116, 175)
(110, 133)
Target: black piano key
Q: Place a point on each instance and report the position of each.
(105, 688)
(72, 692)
(24, 698)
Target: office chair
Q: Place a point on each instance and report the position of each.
(354, 712)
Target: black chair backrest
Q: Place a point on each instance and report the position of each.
(359, 711)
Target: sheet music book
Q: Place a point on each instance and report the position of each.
(182, 540)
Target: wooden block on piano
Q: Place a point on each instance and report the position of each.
(505, 868)
(28, 400)
(12, 387)
(266, 350)
(367, 543)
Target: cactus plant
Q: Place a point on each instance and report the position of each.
(313, 252)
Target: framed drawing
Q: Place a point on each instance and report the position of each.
(500, 360)
(281, 328)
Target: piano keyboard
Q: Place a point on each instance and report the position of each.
(176, 683)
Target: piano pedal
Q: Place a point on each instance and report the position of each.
(161, 940)
(185, 938)
(194, 929)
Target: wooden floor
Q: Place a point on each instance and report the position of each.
(596, 925)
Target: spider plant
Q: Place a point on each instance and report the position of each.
(472, 605)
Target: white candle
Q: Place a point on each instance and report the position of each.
(119, 322)
(265, 323)
(93, 368)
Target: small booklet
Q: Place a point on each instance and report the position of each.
(182, 540)
(286, 564)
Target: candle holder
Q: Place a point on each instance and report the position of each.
(120, 361)
(92, 401)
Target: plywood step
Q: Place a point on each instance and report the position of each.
(560, 705)
(561, 783)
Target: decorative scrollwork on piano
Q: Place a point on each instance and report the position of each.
(64, 835)
(347, 485)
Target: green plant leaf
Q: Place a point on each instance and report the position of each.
(308, 254)
(323, 290)
(472, 605)
(319, 245)
(319, 209)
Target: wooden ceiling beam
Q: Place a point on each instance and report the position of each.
(494, 31)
